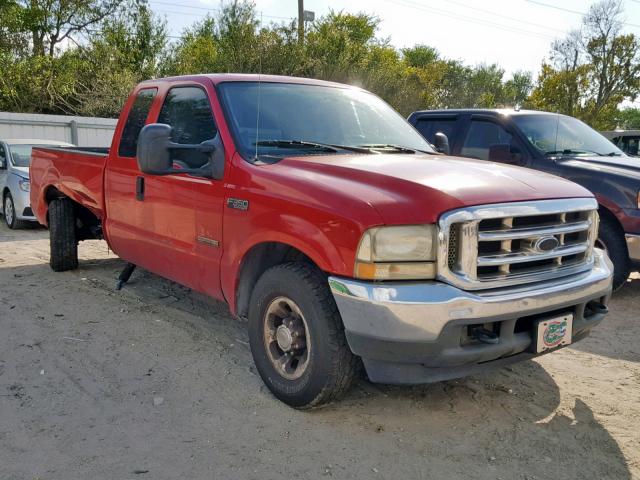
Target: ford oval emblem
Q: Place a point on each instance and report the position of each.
(546, 244)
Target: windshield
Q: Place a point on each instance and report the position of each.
(557, 134)
(21, 154)
(292, 117)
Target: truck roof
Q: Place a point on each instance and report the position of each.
(621, 133)
(491, 111)
(217, 78)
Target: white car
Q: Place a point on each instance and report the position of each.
(15, 157)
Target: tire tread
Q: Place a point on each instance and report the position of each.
(62, 235)
(344, 364)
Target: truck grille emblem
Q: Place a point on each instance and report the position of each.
(546, 244)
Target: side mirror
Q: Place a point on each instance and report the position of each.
(154, 153)
(441, 142)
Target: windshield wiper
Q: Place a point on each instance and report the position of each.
(612, 154)
(391, 146)
(301, 144)
(569, 151)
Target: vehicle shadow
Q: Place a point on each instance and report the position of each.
(31, 231)
(509, 417)
(610, 338)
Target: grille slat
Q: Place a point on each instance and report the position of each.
(523, 257)
(500, 245)
(509, 234)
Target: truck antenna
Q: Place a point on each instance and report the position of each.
(259, 85)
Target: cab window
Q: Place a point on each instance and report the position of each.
(188, 112)
(135, 121)
(487, 140)
(428, 127)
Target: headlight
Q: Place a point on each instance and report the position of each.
(405, 252)
(24, 184)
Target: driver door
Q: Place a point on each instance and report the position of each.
(172, 225)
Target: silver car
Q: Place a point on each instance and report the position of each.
(15, 157)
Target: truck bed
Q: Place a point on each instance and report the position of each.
(77, 172)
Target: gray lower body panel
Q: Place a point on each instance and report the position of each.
(409, 332)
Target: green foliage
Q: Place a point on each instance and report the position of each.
(628, 119)
(86, 63)
(592, 71)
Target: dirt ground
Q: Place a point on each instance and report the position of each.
(157, 382)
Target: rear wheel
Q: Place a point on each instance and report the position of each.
(62, 235)
(297, 339)
(611, 240)
(9, 212)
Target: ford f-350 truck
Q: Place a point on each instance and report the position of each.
(320, 215)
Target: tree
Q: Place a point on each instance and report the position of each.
(337, 45)
(50, 23)
(517, 89)
(591, 70)
(628, 119)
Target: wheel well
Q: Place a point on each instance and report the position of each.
(256, 261)
(88, 226)
(604, 212)
(5, 191)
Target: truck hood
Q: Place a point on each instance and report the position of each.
(406, 188)
(626, 166)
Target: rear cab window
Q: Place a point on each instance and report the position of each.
(135, 121)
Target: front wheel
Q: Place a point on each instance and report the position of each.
(611, 240)
(297, 338)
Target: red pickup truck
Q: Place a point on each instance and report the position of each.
(320, 215)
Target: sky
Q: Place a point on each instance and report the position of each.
(516, 34)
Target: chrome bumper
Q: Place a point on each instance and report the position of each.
(422, 323)
(633, 245)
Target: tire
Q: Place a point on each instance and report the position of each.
(330, 367)
(62, 235)
(611, 239)
(9, 212)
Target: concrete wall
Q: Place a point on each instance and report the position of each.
(81, 131)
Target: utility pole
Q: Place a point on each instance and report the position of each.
(301, 21)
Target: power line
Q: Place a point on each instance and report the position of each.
(206, 9)
(506, 17)
(477, 21)
(577, 12)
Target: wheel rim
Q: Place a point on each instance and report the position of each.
(8, 210)
(286, 338)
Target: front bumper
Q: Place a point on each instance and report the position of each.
(633, 245)
(418, 332)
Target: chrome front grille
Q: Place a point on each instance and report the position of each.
(492, 246)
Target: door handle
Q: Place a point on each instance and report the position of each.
(140, 188)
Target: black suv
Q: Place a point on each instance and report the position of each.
(556, 144)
